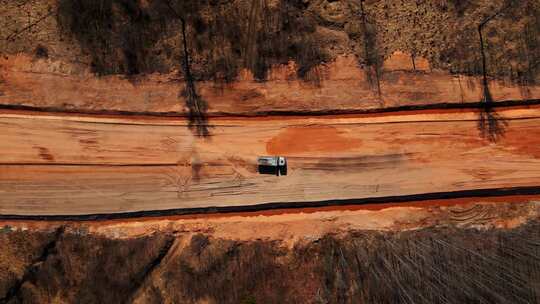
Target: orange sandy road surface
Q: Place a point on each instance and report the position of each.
(57, 164)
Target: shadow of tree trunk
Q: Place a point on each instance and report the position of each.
(197, 106)
(198, 120)
(491, 125)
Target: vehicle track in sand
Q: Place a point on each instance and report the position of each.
(70, 164)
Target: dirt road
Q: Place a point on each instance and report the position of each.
(81, 164)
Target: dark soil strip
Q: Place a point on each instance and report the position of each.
(50, 248)
(480, 193)
(435, 106)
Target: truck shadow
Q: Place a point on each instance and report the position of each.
(273, 170)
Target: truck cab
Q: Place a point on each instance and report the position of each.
(272, 165)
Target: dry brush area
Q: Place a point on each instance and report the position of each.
(441, 265)
(448, 261)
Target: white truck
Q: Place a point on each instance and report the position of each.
(272, 165)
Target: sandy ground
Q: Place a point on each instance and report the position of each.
(304, 226)
(58, 164)
(308, 225)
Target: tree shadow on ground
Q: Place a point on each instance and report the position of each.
(197, 106)
(197, 109)
(490, 124)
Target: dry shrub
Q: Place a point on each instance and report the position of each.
(87, 269)
(127, 37)
(432, 265)
(18, 250)
(227, 272)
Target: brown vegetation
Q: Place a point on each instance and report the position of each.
(84, 269)
(18, 251)
(444, 265)
(223, 37)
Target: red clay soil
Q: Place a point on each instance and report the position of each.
(297, 140)
(519, 141)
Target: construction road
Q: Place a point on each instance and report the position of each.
(69, 164)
